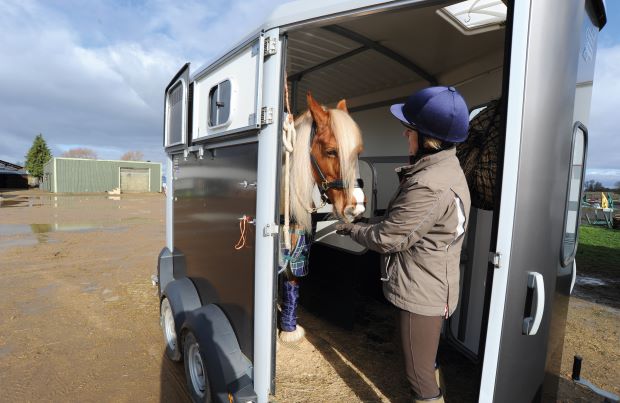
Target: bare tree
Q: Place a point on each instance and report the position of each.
(80, 152)
(132, 156)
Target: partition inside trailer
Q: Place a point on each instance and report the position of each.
(375, 60)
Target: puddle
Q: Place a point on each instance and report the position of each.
(590, 281)
(19, 229)
(52, 200)
(90, 288)
(33, 307)
(5, 350)
(20, 202)
(14, 243)
(47, 290)
(32, 234)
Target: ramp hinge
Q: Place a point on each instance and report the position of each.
(494, 259)
(270, 230)
(266, 116)
(270, 46)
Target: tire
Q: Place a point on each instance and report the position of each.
(166, 320)
(196, 370)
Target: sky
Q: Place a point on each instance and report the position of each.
(92, 73)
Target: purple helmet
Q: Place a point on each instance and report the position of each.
(439, 112)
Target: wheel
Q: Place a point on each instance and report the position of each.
(195, 370)
(166, 320)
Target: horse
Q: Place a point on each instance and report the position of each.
(323, 152)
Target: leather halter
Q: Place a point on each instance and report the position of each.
(324, 186)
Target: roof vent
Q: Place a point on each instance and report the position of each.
(475, 16)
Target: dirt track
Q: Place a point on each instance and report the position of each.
(79, 316)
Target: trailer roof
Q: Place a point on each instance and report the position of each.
(308, 11)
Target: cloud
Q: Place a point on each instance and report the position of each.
(608, 177)
(93, 74)
(604, 136)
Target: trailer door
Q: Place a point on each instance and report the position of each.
(267, 215)
(528, 300)
(225, 174)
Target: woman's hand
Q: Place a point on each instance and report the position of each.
(344, 229)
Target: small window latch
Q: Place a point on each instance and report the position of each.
(494, 259)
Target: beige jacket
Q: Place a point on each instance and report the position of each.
(421, 235)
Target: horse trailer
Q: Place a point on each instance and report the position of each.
(531, 62)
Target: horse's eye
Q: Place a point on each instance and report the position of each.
(332, 153)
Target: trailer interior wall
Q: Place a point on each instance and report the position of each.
(376, 60)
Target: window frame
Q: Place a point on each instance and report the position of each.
(182, 83)
(567, 259)
(216, 87)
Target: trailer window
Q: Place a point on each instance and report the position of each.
(175, 115)
(219, 104)
(575, 188)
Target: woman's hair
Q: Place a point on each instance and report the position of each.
(431, 143)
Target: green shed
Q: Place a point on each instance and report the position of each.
(78, 175)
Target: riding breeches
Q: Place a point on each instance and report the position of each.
(420, 339)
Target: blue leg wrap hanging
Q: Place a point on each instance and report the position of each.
(288, 316)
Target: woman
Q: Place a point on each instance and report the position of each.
(421, 234)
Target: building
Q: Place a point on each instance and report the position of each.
(12, 176)
(78, 175)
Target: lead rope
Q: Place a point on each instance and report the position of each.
(289, 136)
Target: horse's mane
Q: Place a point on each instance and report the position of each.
(349, 140)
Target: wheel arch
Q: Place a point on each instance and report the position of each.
(228, 369)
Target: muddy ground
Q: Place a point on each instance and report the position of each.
(79, 317)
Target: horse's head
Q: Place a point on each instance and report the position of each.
(335, 144)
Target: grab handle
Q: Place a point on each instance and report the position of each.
(536, 286)
(572, 282)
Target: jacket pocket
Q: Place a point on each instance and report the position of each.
(386, 269)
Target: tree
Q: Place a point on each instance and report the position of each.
(593, 186)
(80, 152)
(132, 156)
(37, 156)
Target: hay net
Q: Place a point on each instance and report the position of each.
(478, 155)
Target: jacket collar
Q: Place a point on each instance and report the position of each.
(425, 162)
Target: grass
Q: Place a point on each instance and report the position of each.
(598, 251)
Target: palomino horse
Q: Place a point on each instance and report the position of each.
(324, 153)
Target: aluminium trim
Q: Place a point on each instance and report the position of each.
(232, 142)
(514, 127)
(250, 130)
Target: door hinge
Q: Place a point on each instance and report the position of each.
(266, 116)
(494, 259)
(270, 46)
(270, 230)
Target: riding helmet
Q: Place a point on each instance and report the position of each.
(439, 112)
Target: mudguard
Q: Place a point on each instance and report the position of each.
(228, 369)
(183, 299)
(170, 266)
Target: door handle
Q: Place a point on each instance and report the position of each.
(536, 288)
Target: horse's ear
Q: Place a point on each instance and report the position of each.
(320, 115)
(342, 105)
